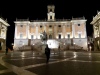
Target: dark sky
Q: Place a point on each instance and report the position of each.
(38, 10)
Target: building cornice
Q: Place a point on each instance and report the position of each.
(56, 21)
(78, 20)
(96, 18)
(21, 21)
(4, 22)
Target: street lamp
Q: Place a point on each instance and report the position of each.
(64, 46)
(74, 45)
(88, 46)
(12, 45)
(23, 46)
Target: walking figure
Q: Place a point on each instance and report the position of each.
(47, 53)
(59, 49)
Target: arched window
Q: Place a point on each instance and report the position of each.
(50, 10)
(50, 17)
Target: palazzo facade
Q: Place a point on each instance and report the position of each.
(3, 33)
(96, 27)
(59, 31)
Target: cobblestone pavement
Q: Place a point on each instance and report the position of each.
(65, 63)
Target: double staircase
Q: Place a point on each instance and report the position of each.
(65, 45)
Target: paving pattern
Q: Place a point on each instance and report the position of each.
(65, 63)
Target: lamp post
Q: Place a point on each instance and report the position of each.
(88, 46)
(64, 46)
(23, 46)
(12, 45)
(74, 45)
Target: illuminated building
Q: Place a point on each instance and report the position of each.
(3, 33)
(96, 27)
(64, 31)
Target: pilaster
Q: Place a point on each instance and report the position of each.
(99, 34)
(63, 31)
(73, 29)
(15, 31)
(36, 32)
(55, 30)
(45, 28)
(27, 31)
(85, 34)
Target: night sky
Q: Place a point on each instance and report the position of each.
(38, 10)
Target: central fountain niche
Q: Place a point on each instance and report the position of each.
(52, 43)
(44, 41)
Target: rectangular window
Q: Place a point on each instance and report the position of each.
(21, 25)
(21, 36)
(59, 26)
(40, 36)
(68, 25)
(50, 26)
(68, 35)
(79, 35)
(59, 36)
(32, 36)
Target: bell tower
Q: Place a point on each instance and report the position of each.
(51, 14)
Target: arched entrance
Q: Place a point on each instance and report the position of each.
(50, 36)
(59, 36)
